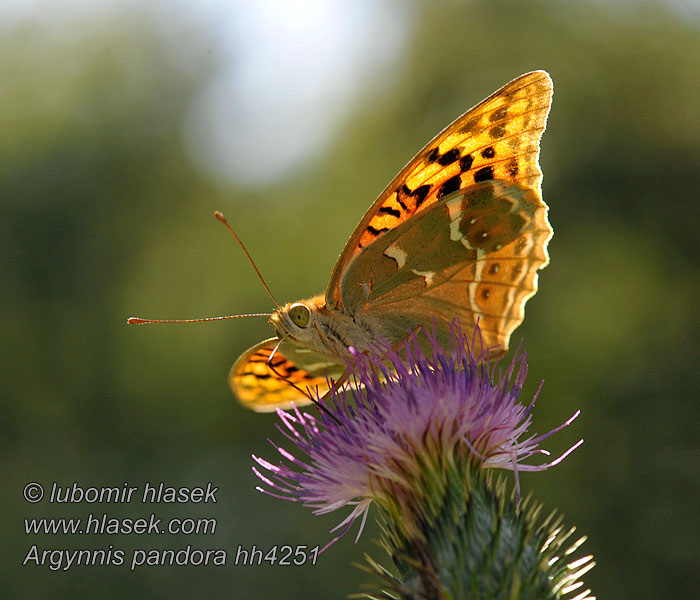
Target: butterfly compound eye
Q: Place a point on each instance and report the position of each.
(300, 314)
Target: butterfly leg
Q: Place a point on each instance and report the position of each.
(318, 403)
(283, 377)
(337, 383)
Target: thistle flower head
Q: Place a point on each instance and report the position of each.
(404, 429)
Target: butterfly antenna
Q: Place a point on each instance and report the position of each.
(140, 321)
(219, 215)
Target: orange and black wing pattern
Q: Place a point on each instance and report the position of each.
(290, 377)
(498, 139)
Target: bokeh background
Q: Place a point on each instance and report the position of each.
(124, 125)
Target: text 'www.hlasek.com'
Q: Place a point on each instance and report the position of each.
(61, 553)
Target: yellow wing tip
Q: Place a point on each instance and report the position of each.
(536, 74)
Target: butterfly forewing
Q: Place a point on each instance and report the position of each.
(266, 385)
(496, 140)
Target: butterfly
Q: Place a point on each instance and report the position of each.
(460, 233)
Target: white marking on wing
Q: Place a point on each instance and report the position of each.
(428, 275)
(398, 254)
(478, 270)
(454, 208)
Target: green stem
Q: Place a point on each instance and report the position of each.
(464, 536)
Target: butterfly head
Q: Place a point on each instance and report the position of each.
(297, 320)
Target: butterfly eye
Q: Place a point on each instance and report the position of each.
(300, 314)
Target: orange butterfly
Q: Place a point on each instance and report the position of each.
(459, 233)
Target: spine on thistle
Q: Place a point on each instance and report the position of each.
(480, 542)
(418, 432)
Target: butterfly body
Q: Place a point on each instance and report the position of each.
(460, 233)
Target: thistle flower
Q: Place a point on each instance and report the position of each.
(418, 432)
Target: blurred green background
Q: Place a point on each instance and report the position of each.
(125, 125)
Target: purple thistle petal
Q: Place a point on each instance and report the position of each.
(400, 411)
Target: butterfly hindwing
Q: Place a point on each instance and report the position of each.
(263, 389)
(496, 140)
(472, 255)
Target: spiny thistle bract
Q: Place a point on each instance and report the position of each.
(418, 432)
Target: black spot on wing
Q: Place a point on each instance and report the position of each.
(387, 210)
(449, 157)
(420, 193)
(401, 202)
(451, 185)
(488, 152)
(433, 154)
(374, 231)
(465, 163)
(483, 174)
